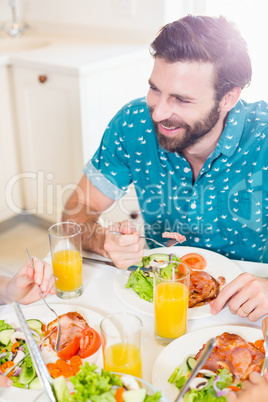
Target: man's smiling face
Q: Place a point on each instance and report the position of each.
(182, 103)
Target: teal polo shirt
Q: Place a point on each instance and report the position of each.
(225, 210)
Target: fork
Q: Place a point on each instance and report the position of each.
(50, 308)
(265, 363)
(168, 243)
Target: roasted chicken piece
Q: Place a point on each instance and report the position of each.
(234, 353)
(203, 288)
(71, 325)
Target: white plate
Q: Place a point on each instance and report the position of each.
(217, 265)
(41, 312)
(188, 345)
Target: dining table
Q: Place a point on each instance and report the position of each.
(99, 295)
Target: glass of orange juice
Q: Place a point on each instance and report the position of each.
(121, 343)
(66, 247)
(171, 296)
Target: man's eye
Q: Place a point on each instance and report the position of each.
(153, 88)
(182, 100)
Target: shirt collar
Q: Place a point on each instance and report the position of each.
(233, 130)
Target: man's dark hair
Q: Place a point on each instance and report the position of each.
(207, 39)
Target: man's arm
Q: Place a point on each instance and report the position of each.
(85, 206)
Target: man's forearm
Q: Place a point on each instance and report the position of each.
(93, 233)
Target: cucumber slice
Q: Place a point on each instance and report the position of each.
(36, 325)
(191, 362)
(35, 384)
(5, 336)
(135, 395)
(61, 390)
(159, 256)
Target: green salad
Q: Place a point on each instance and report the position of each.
(142, 282)
(207, 387)
(13, 348)
(89, 384)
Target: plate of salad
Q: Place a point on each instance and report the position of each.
(93, 384)
(174, 363)
(26, 386)
(139, 293)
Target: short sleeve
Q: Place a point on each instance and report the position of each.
(109, 169)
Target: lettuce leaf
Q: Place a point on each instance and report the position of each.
(92, 385)
(141, 284)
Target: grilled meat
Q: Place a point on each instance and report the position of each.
(234, 353)
(203, 288)
(71, 325)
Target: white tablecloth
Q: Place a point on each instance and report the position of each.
(100, 296)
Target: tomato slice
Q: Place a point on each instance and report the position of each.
(194, 261)
(90, 342)
(70, 350)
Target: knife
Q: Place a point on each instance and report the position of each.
(95, 260)
(88, 260)
(199, 364)
(37, 359)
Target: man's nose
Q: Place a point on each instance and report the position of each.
(162, 111)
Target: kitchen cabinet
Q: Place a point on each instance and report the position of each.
(50, 141)
(10, 188)
(62, 114)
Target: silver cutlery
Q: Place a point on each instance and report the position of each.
(37, 359)
(168, 243)
(265, 363)
(199, 364)
(89, 260)
(15, 365)
(95, 260)
(50, 308)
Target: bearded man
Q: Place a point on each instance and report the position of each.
(196, 153)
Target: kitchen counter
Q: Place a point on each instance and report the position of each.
(77, 55)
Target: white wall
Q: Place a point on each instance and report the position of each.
(138, 19)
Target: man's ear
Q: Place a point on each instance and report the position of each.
(229, 100)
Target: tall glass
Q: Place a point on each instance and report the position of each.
(171, 297)
(121, 343)
(66, 255)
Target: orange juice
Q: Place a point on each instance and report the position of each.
(171, 303)
(123, 358)
(67, 267)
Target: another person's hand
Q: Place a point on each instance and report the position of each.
(255, 389)
(5, 381)
(246, 295)
(23, 287)
(124, 250)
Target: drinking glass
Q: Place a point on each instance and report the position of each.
(66, 255)
(171, 296)
(121, 343)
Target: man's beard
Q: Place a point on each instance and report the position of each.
(191, 135)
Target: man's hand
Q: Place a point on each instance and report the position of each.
(255, 389)
(246, 295)
(126, 249)
(23, 287)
